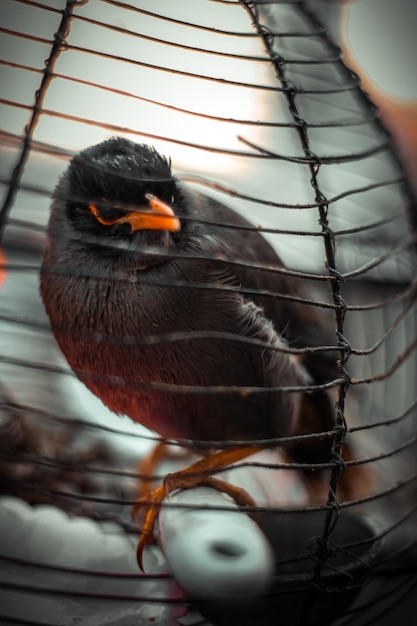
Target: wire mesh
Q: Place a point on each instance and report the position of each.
(255, 106)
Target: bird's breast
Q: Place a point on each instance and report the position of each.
(120, 338)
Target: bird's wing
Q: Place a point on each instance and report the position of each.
(302, 324)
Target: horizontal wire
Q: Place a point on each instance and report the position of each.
(120, 129)
(223, 81)
(217, 53)
(78, 593)
(389, 331)
(215, 185)
(395, 216)
(128, 60)
(211, 29)
(313, 159)
(43, 147)
(160, 282)
(144, 576)
(390, 370)
(39, 414)
(284, 509)
(382, 455)
(247, 122)
(34, 460)
(130, 33)
(218, 223)
(33, 121)
(288, 509)
(390, 253)
(408, 412)
(157, 339)
(363, 270)
(173, 337)
(398, 486)
(407, 291)
(397, 297)
(385, 532)
(232, 192)
(163, 575)
(24, 224)
(244, 390)
(121, 575)
(123, 129)
(54, 567)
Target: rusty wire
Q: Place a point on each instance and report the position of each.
(337, 280)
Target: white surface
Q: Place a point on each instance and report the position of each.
(214, 554)
(223, 553)
(46, 534)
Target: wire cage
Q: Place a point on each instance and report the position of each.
(254, 104)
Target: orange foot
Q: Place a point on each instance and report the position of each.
(149, 464)
(196, 474)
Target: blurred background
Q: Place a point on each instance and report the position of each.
(194, 79)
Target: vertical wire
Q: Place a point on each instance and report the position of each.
(329, 237)
(57, 47)
(340, 428)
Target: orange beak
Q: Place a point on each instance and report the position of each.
(159, 216)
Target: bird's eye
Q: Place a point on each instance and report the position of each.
(106, 213)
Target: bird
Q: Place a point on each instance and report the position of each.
(159, 297)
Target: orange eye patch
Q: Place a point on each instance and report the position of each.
(157, 215)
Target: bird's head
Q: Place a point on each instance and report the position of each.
(120, 195)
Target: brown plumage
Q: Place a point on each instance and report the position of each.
(131, 253)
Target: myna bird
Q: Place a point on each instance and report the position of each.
(132, 253)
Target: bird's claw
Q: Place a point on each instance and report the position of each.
(152, 501)
(146, 535)
(194, 475)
